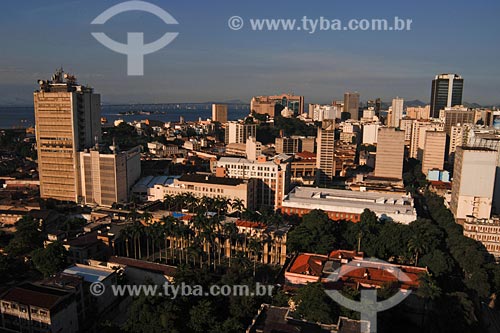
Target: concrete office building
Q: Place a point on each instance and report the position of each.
(219, 113)
(273, 105)
(419, 112)
(349, 205)
(67, 120)
(295, 144)
(108, 178)
(473, 182)
(351, 104)
(397, 111)
(406, 125)
(35, 308)
(208, 186)
(325, 153)
(458, 137)
(486, 231)
(239, 132)
(417, 142)
(456, 115)
(273, 177)
(434, 151)
(390, 153)
(370, 134)
(447, 90)
(253, 148)
(323, 112)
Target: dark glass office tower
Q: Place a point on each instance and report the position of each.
(446, 92)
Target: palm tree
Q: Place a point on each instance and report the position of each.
(137, 232)
(231, 232)
(417, 245)
(255, 246)
(127, 233)
(238, 205)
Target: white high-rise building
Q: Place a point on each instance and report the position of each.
(397, 111)
(239, 132)
(473, 182)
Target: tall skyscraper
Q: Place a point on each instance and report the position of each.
(390, 153)
(351, 104)
(446, 91)
(67, 118)
(219, 113)
(473, 182)
(397, 111)
(434, 150)
(325, 155)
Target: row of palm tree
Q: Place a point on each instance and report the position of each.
(203, 240)
(218, 204)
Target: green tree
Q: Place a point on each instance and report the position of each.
(314, 305)
(50, 260)
(316, 234)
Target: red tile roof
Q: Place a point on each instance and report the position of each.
(308, 264)
(38, 296)
(145, 265)
(306, 155)
(249, 224)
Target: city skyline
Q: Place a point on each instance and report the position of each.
(320, 66)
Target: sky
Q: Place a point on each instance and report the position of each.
(210, 62)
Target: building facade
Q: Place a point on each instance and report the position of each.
(219, 113)
(390, 153)
(67, 120)
(473, 182)
(434, 151)
(239, 132)
(108, 178)
(273, 177)
(273, 105)
(446, 91)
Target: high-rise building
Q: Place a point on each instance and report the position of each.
(239, 132)
(351, 104)
(419, 112)
(458, 137)
(446, 91)
(68, 119)
(390, 153)
(294, 144)
(253, 148)
(397, 111)
(325, 155)
(219, 113)
(417, 143)
(273, 177)
(434, 150)
(473, 182)
(370, 133)
(108, 178)
(456, 115)
(273, 105)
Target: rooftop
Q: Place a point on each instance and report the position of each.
(34, 295)
(392, 203)
(208, 179)
(89, 274)
(144, 265)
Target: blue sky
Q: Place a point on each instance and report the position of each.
(208, 61)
